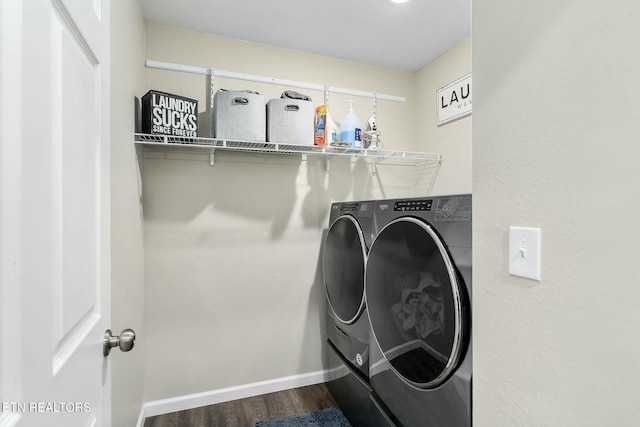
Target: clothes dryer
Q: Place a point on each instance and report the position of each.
(343, 264)
(418, 296)
(347, 323)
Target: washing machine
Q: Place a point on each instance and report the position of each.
(418, 296)
(348, 329)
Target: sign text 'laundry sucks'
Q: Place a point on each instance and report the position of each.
(167, 114)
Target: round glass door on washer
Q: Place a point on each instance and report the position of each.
(417, 294)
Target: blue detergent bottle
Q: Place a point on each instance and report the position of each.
(350, 130)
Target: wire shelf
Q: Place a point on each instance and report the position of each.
(277, 148)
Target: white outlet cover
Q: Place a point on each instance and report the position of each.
(524, 252)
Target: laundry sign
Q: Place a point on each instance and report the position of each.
(168, 114)
(454, 100)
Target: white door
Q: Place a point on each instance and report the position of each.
(54, 212)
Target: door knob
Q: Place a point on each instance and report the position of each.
(125, 341)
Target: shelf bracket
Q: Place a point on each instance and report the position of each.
(212, 159)
(212, 88)
(374, 166)
(375, 104)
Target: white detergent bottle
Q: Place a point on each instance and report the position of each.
(350, 130)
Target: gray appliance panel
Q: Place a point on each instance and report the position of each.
(352, 341)
(354, 395)
(449, 215)
(449, 405)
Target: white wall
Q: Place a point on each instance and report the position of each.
(127, 301)
(232, 251)
(556, 143)
(452, 140)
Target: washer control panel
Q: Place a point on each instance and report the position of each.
(349, 207)
(354, 207)
(413, 205)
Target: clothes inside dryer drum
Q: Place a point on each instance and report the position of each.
(415, 303)
(343, 265)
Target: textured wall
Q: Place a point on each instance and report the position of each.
(556, 134)
(127, 272)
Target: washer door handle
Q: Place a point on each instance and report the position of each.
(125, 341)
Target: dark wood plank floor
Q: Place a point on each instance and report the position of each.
(247, 412)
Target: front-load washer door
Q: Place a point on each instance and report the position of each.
(343, 264)
(416, 303)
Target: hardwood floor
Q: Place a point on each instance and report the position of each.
(247, 412)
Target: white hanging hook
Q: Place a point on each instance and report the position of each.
(212, 85)
(375, 104)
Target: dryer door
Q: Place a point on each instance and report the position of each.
(416, 303)
(343, 263)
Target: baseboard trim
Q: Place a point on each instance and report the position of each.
(190, 401)
(141, 417)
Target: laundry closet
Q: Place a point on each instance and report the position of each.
(232, 251)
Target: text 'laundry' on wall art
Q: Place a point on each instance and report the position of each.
(454, 100)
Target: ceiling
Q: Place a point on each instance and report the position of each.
(402, 36)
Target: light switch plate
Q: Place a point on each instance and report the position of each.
(524, 252)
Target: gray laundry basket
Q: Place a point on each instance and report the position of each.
(290, 121)
(238, 115)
